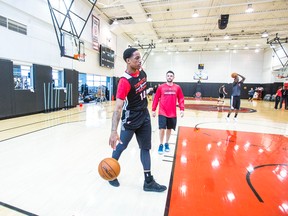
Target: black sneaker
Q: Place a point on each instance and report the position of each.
(114, 183)
(154, 186)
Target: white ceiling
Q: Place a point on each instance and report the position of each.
(173, 27)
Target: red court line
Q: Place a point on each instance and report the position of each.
(212, 170)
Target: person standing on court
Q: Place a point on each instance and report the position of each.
(167, 96)
(278, 98)
(235, 100)
(222, 93)
(251, 94)
(131, 101)
(285, 97)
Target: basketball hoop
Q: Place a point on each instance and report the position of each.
(76, 56)
(79, 57)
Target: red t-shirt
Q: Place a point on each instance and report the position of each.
(167, 97)
(279, 93)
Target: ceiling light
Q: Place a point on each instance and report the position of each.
(195, 14)
(246, 47)
(265, 34)
(191, 39)
(190, 49)
(149, 18)
(249, 9)
(217, 48)
(257, 50)
(115, 22)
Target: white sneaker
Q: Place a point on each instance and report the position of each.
(235, 119)
(227, 119)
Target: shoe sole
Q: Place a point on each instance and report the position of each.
(149, 190)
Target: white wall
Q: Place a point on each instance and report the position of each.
(40, 45)
(217, 65)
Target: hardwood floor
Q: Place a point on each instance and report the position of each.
(49, 161)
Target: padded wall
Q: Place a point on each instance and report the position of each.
(6, 88)
(71, 78)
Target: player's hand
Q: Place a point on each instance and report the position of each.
(181, 113)
(114, 138)
(153, 113)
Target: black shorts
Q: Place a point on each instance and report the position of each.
(167, 123)
(143, 134)
(235, 102)
(221, 95)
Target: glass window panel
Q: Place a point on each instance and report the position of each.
(23, 77)
(58, 78)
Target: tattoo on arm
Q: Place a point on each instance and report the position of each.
(115, 120)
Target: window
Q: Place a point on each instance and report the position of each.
(3, 21)
(17, 27)
(23, 77)
(58, 78)
(94, 82)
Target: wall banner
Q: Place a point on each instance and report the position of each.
(95, 32)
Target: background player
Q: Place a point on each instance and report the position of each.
(222, 93)
(167, 95)
(235, 100)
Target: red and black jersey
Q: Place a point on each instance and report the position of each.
(132, 89)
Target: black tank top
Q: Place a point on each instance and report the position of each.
(136, 99)
(135, 111)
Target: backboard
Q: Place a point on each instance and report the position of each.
(72, 47)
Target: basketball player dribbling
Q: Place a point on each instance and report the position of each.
(132, 102)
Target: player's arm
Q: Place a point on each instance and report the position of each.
(122, 92)
(114, 137)
(181, 101)
(242, 78)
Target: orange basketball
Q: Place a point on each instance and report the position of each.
(234, 75)
(109, 169)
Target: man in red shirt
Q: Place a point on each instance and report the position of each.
(131, 101)
(167, 96)
(278, 97)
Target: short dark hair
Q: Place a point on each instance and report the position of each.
(170, 72)
(128, 53)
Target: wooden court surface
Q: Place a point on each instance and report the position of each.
(224, 172)
(49, 161)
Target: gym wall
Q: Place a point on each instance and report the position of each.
(45, 98)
